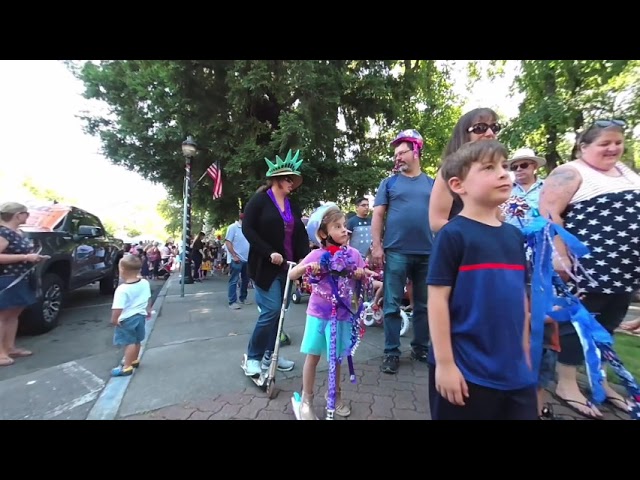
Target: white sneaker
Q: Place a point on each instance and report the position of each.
(283, 365)
(252, 368)
(235, 306)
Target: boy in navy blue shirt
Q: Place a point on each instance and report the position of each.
(479, 366)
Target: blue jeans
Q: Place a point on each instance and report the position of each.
(266, 329)
(238, 269)
(398, 267)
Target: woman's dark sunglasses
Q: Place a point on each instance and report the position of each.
(610, 123)
(480, 128)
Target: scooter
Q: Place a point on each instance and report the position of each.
(267, 379)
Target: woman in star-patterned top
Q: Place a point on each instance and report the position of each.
(597, 199)
(16, 293)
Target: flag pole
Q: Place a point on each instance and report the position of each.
(195, 184)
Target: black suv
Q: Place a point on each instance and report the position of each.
(81, 253)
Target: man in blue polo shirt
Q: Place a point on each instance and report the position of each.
(404, 199)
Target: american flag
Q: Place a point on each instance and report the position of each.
(214, 172)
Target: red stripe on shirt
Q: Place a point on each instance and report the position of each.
(491, 266)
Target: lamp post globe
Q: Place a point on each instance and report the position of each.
(189, 147)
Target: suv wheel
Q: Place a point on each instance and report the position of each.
(43, 315)
(109, 283)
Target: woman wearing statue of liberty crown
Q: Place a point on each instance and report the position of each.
(276, 234)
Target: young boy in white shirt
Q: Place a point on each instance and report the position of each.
(130, 309)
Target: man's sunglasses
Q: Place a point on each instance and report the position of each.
(520, 166)
(610, 123)
(480, 128)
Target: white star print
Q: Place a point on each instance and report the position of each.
(606, 227)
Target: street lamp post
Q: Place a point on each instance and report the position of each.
(189, 149)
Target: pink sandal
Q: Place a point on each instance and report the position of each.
(6, 361)
(20, 352)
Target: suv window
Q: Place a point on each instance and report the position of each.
(80, 218)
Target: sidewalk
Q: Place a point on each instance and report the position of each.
(191, 367)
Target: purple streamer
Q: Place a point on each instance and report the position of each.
(331, 401)
(352, 372)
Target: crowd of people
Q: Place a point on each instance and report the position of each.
(457, 241)
(454, 245)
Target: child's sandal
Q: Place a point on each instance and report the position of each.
(134, 364)
(342, 409)
(121, 371)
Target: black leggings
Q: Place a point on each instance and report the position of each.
(197, 263)
(609, 310)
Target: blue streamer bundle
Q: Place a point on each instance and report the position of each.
(551, 297)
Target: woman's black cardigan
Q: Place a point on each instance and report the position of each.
(263, 228)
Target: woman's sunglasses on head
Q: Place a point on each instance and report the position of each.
(610, 123)
(480, 128)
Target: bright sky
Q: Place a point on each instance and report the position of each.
(492, 94)
(43, 138)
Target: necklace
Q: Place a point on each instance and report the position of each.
(287, 215)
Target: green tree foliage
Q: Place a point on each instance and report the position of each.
(340, 113)
(171, 211)
(47, 194)
(560, 98)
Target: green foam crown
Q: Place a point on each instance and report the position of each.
(290, 164)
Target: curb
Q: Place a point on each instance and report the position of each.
(108, 403)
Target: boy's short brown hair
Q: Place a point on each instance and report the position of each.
(131, 263)
(459, 162)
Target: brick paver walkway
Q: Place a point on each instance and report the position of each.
(376, 396)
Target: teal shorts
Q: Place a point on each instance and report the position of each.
(317, 342)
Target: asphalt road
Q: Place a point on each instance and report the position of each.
(70, 366)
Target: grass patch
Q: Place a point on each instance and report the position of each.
(628, 349)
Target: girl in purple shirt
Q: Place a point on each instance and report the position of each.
(332, 235)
